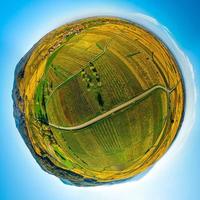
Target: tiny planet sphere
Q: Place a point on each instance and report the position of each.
(98, 100)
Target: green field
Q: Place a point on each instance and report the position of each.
(106, 102)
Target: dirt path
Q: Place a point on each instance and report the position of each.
(116, 109)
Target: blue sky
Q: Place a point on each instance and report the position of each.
(23, 23)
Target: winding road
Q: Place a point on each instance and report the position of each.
(116, 109)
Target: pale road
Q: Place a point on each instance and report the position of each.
(116, 109)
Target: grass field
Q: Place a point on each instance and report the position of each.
(103, 98)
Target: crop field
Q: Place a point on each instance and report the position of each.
(103, 98)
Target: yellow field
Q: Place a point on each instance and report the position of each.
(103, 98)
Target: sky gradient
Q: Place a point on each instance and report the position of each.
(22, 24)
